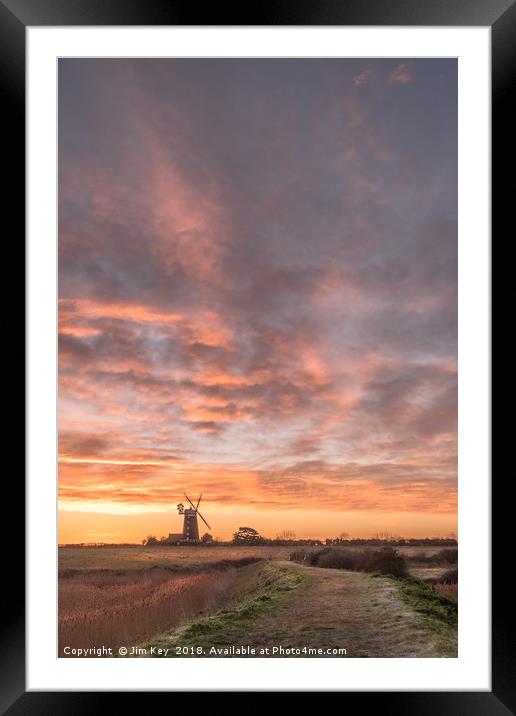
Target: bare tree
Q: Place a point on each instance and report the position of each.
(286, 535)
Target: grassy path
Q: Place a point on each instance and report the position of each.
(295, 606)
(365, 614)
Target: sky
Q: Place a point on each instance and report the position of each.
(257, 296)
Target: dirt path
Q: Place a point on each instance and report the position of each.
(336, 608)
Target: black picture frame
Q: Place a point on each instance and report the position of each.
(500, 16)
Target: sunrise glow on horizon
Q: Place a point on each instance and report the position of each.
(257, 296)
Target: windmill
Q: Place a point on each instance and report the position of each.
(190, 526)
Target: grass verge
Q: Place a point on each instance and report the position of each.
(268, 584)
(438, 613)
(425, 600)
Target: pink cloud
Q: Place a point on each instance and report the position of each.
(401, 74)
(362, 78)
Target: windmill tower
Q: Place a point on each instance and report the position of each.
(190, 524)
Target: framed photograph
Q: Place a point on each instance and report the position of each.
(258, 369)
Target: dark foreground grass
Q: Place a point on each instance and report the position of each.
(268, 584)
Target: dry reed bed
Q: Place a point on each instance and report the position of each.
(115, 609)
(447, 590)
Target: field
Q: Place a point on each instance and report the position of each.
(172, 557)
(179, 557)
(172, 600)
